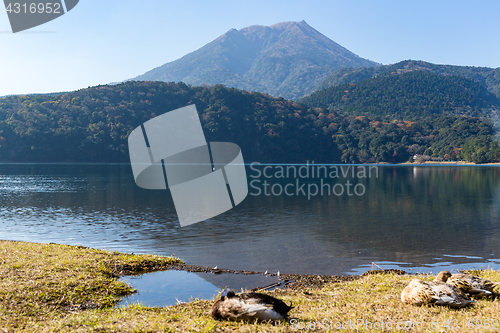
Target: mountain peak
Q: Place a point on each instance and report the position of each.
(282, 26)
(288, 24)
(285, 59)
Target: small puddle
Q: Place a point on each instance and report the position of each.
(172, 287)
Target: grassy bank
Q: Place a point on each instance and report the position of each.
(59, 288)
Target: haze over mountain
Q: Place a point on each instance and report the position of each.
(286, 59)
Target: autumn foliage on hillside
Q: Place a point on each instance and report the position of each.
(92, 125)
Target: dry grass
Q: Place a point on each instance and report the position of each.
(39, 281)
(39, 296)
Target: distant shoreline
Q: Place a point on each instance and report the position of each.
(426, 163)
(451, 163)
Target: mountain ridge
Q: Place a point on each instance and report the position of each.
(286, 59)
(411, 94)
(489, 77)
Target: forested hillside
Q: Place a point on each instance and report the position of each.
(488, 77)
(410, 95)
(92, 125)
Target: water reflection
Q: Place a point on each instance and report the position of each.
(167, 288)
(409, 217)
(171, 287)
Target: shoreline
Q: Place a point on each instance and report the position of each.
(451, 163)
(74, 288)
(284, 164)
(315, 280)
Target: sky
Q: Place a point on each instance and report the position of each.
(103, 41)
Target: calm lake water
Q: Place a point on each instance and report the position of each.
(419, 219)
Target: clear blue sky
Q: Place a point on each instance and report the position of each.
(102, 41)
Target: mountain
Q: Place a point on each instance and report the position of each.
(286, 59)
(409, 95)
(488, 77)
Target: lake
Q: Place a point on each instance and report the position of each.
(416, 218)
